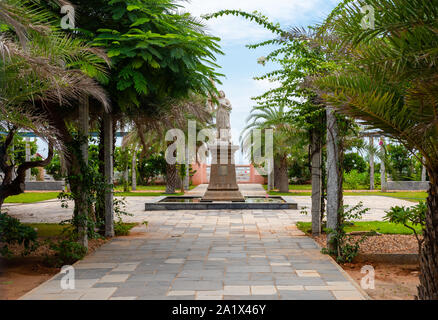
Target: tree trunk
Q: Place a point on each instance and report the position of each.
(171, 178)
(275, 179)
(133, 170)
(109, 175)
(334, 178)
(100, 201)
(15, 184)
(283, 175)
(27, 154)
(372, 164)
(428, 288)
(316, 182)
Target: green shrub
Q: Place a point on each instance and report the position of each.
(121, 229)
(12, 231)
(354, 179)
(415, 216)
(67, 252)
(345, 247)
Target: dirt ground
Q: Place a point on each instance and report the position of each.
(19, 275)
(392, 282)
(385, 243)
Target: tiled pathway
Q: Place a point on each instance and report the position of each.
(208, 255)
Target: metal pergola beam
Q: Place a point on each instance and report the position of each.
(33, 135)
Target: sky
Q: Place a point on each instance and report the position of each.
(239, 64)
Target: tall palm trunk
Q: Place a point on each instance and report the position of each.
(276, 174)
(316, 181)
(334, 175)
(283, 175)
(171, 178)
(428, 288)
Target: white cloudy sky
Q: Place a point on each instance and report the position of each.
(239, 64)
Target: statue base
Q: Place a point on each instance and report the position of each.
(223, 184)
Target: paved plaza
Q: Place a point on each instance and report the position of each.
(222, 254)
(207, 255)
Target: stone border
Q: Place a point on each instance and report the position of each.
(390, 258)
(157, 205)
(44, 185)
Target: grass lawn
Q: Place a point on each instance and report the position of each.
(48, 230)
(409, 196)
(383, 227)
(309, 187)
(295, 187)
(148, 188)
(145, 194)
(30, 197)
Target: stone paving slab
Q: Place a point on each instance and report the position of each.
(207, 255)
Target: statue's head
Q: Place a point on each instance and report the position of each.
(221, 94)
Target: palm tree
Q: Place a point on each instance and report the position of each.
(387, 78)
(285, 136)
(39, 75)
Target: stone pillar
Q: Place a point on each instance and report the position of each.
(271, 175)
(27, 150)
(109, 174)
(372, 163)
(333, 179)
(316, 183)
(84, 110)
(423, 171)
(133, 170)
(383, 186)
(187, 177)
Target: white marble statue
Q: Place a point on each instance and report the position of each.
(223, 111)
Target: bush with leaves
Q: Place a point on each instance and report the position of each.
(409, 217)
(346, 247)
(354, 179)
(12, 231)
(67, 252)
(354, 161)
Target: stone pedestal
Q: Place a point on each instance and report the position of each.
(223, 185)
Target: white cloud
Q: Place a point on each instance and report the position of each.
(233, 29)
(265, 85)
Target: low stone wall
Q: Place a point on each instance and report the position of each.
(44, 185)
(408, 185)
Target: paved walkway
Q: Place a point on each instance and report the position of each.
(51, 211)
(247, 254)
(208, 255)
